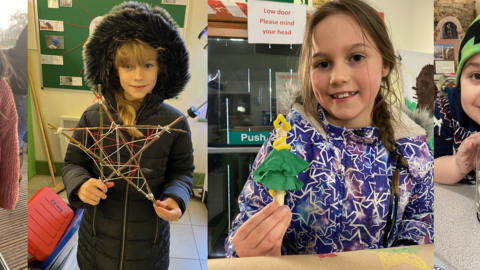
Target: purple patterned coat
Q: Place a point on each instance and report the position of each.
(345, 199)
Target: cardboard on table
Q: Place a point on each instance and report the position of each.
(400, 258)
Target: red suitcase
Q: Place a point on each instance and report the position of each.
(48, 217)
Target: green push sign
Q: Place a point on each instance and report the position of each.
(248, 137)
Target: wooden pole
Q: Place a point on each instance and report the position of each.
(60, 186)
(100, 107)
(127, 127)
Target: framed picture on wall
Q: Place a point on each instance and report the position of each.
(438, 52)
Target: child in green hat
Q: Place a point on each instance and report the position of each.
(457, 116)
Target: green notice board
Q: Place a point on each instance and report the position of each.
(76, 23)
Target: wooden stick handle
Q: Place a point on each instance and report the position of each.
(40, 123)
(279, 197)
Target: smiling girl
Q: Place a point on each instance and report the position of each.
(139, 58)
(369, 183)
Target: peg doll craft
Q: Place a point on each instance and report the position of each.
(280, 169)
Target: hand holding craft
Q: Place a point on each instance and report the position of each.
(169, 210)
(93, 190)
(465, 159)
(262, 234)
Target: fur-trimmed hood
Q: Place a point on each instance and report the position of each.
(154, 26)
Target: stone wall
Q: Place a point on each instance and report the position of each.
(463, 10)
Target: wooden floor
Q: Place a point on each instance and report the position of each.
(13, 229)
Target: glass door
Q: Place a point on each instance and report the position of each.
(245, 84)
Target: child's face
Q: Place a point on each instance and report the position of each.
(347, 71)
(470, 87)
(138, 80)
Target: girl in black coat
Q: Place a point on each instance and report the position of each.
(139, 58)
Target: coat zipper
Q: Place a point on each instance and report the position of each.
(126, 202)
(138, 114)
(124, 227)
(156, 232)
(93, 222)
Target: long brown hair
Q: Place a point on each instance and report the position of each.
(130, 51)
(370, 21)
(6, 70)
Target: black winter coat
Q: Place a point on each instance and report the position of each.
(124, 231)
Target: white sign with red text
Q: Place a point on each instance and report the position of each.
(283, 81)
(276, 23)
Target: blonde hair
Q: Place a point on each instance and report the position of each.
(370, 21)
(128, 52)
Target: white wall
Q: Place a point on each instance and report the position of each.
(55, 103)
(196, 92)
(410, 23)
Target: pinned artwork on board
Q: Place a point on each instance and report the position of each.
(52, 3)
(444, 66)
(52, 59)
(49, 25)
(66, 3)
(68, 80)
(417, 79)
(448, 52)
(444, 52)
(438, 52)
(55, 42)
(418, 85)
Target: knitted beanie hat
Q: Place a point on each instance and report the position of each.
(470, 46)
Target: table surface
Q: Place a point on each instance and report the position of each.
(457, 230)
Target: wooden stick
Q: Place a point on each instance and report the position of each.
(77, 143)
(60, 186)
(126, 127)
(101, 132)
(279, 197)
